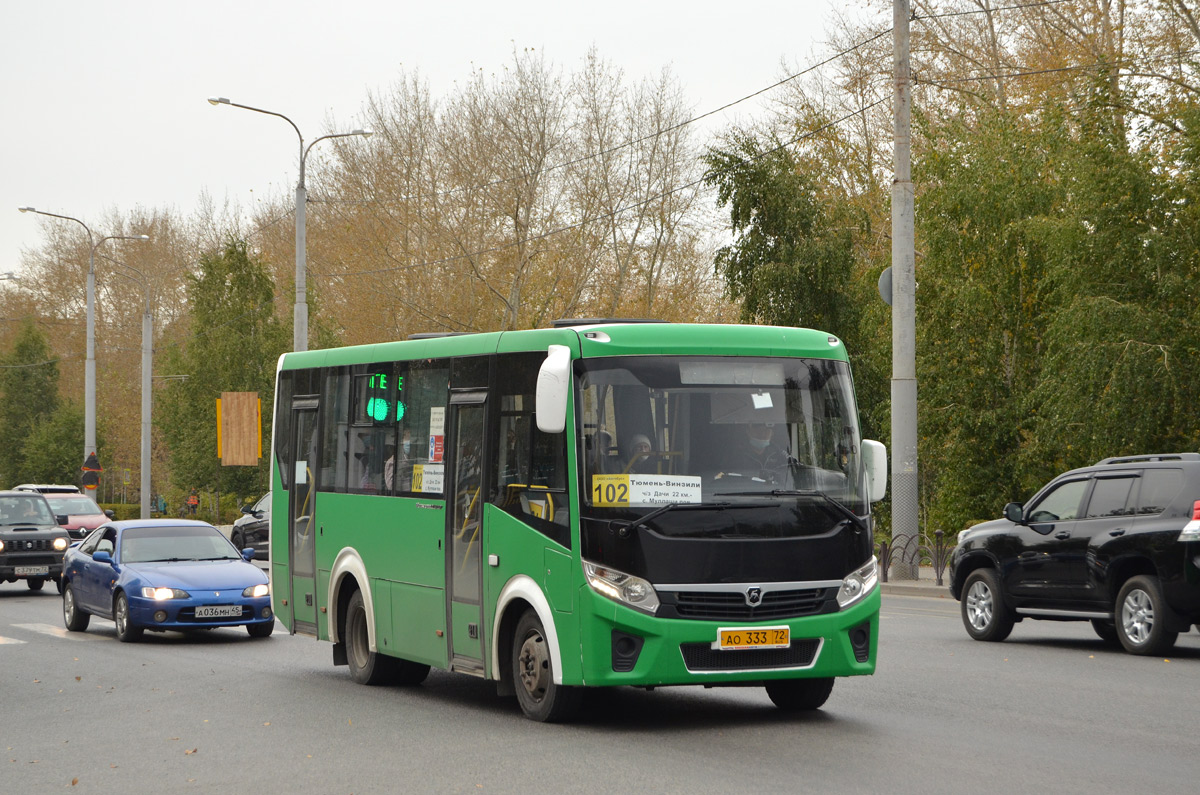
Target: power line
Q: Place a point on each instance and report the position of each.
(1075, 68)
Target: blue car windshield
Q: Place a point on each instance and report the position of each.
(169, 544)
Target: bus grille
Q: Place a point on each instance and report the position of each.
(703, 657)
(775, 605)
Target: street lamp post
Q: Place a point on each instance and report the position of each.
(300, 312)
(147, 364)
(89, 388)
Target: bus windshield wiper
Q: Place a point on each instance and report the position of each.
(837, 504)
(623, 528)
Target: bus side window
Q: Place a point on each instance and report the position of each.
(419, 465)
(530, 467)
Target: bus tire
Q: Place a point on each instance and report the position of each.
(366, 667)
(799, 695)
(533, 675)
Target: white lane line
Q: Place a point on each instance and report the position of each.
(56, 632)
(4, 640)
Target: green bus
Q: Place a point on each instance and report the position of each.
(600, 503)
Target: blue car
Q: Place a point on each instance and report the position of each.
(161, 574)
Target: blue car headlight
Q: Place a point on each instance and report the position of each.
(159, 594)
(257, 590)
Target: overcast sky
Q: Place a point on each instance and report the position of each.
(104, 102)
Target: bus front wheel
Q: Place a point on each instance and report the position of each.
(533, 675)
(799, 695)
(366, 667)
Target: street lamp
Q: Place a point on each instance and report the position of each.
(89, 389)
(147, 363)
(300, 313)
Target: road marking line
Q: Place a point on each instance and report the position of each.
(57, 632)
(4, 640)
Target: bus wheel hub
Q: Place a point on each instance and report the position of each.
(534, 665)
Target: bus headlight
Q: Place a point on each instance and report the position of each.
(621, 587)
(858, 583)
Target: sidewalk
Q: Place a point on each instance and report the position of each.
(924, 585)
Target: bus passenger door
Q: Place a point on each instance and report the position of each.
(301, 531)
(464, 531)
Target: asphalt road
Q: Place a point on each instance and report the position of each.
(1052, 709)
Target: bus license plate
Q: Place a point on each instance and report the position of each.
(30, 571)
(219, 611)
(729, 638)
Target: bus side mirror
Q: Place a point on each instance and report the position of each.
(875, 467)
(553, 387)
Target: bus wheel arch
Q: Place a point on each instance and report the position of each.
(349, 574)
(521, 593)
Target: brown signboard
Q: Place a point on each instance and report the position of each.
(239, 429)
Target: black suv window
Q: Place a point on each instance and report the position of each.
(1159, 489)
(1110, 497)
(1060, 503)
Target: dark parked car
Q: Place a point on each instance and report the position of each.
(1117, 544)
(160, 574)
(31, 542)
(254, 528)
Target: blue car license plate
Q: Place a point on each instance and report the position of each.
(219, 611)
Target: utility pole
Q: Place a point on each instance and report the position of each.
(905, 525)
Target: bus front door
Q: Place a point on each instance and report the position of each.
(464, 530)
(300, 517)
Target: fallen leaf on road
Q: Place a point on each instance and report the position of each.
(189, 753)
(74, 781)
(79, 679)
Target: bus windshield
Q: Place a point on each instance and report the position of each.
(661, 430)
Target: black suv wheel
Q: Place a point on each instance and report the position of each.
(984, 612)
(1140, 613)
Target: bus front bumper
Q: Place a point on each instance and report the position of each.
(624, 646)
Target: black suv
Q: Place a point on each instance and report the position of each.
(31, 541)
(1117, 544)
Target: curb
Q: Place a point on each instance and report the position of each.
(926, 588)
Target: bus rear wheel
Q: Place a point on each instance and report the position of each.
(533, 675)
(366, 667)
(799, 695)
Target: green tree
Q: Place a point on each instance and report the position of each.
(789, 263)
(28, 393)
(51, 453)
(981, 307)
(234, 342)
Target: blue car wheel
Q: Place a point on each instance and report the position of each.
(127, 631)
